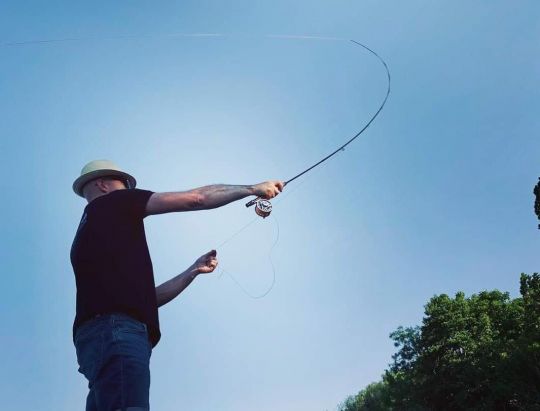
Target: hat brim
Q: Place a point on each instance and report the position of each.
(79, 183)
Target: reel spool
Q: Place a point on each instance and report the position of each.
(263, 208)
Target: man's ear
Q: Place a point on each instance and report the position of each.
(102, 185)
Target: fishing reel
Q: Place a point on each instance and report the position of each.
(263, 207)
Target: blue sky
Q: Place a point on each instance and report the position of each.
(434, 198)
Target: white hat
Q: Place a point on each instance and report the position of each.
(100, 168)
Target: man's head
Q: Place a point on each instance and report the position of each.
(101, 186)
(100, 177)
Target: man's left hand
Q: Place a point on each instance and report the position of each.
(206, 263)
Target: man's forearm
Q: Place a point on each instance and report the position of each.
(205, 198)
(172, 288)
(221, 194)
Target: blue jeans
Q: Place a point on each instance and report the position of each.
(113, 352)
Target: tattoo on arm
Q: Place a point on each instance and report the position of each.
(221, 194)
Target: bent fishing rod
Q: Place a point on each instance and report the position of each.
(263, 207)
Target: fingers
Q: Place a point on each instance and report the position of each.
(208, 262)
(209, 266)
(212, 261)
(277, 188)
(272, 188)
(210, 256)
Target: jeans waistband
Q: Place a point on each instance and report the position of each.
(109, 316)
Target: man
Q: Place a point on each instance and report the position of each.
(116, 323)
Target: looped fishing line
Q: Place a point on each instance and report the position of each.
(233, 278)
(273, 282)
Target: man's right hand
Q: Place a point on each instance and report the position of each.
(268, 189)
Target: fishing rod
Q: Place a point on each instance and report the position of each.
(263, 207)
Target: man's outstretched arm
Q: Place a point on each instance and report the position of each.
(171, 289)
(205, 198)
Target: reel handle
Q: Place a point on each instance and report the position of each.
(252, 202)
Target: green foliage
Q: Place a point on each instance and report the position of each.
(465, 345)
(470, 353)
(527, 354)
(375, 397)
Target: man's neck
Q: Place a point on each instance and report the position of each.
(91, 197)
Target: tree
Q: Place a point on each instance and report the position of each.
(470, 353)
(464, 351)
(526, 357)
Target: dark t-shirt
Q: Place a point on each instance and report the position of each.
(111, 262)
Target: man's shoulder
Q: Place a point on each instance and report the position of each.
(133, 201)
(132, 193)
(120, 199)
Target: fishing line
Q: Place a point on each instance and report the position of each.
(105, 38)
(273, 282)
(281, 198)
(160, 36)
(222, 271)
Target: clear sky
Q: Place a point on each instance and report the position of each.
(434, 198)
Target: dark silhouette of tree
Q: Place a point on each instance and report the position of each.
(536, 192)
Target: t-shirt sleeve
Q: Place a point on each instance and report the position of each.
(134, 202)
